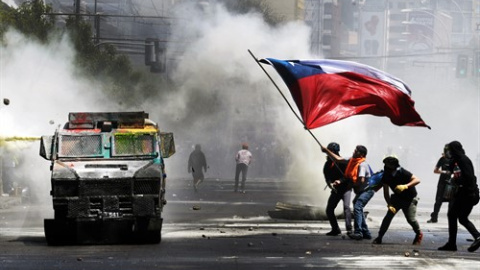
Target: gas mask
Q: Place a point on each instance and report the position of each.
(448, 154)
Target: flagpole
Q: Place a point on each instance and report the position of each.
(298, 117)
(284, 98)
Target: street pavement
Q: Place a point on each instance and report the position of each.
(216, 228)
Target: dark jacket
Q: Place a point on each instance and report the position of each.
(334, 172)
(467, 182)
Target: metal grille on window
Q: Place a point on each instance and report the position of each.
(80, 146)
(133, 144)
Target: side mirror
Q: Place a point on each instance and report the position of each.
(167, 145)
(46, 147)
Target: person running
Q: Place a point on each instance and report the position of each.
(341, 190)
(404, 197)
(443, 168)
(463, 200)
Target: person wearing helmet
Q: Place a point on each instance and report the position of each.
(356, 174)
(404, 197)
(463, 200)
(340, 190)
(444, 169)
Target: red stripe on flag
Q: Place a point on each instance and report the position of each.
(326, 98)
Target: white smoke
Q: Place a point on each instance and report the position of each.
(217, 63)
(43, 87)
(221, 98)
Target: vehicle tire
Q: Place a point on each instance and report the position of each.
(59, 232)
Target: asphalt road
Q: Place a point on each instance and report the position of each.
(219, 229)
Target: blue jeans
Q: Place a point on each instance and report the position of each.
(359, 202)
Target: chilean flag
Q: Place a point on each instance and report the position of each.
(327, 91)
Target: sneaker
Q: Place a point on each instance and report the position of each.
(367, 237)
(356, 236)
(448, 247)
(333, 233)
(475, 245)
(418, 239)
(377, 241)
(432, 220)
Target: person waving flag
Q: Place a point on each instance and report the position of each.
(326, 91)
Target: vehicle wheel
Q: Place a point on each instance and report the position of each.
(148, 231)
(59, 232)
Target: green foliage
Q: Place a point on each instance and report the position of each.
(6, 18)
(32, 18)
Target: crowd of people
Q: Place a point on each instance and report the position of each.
(457, 185)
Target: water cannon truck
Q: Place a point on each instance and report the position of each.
(107, 179)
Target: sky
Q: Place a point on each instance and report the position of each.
(222, 98)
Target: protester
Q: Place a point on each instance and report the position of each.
(197, 162)
(464, 199)
(402, 183)
(357, 173)
(243, 159)
(443, 168)
(340, 190)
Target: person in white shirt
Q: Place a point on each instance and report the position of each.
(243, 159)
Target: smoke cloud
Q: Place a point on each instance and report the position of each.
(221, 98)
(43, 87)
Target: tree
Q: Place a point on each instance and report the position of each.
(102, 62)
(122, 83)
(30, 19)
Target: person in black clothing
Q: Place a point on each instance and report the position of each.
(341, 190)
(402, 183)
(443, 168)
(466, 197)
(197, 163)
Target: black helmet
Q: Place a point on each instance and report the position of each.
(392, 161)
(362, 150)
(334, 147)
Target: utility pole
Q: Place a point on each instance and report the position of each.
(76, 8)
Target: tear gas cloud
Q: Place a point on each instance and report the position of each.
(217, 73)
(42, 86)
(222, 98)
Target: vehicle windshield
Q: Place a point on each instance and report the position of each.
(125, 144)
(80, 146)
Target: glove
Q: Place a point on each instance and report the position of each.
(392, 209)
(401, 188)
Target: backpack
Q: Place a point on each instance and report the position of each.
(375, 181)
(370, 183)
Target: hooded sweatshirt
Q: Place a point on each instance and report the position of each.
(467, 181)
